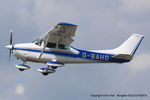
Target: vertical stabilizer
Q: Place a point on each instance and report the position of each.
(130, 45)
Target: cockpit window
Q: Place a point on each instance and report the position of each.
(67, 47)
(62, 46)
(38, 42)
(51, 45)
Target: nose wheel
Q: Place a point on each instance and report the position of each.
(53, 67)
(22, 67)
(45, 74)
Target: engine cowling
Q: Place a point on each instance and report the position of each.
(46, 71)
(22, 67)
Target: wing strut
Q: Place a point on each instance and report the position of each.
(44, 46)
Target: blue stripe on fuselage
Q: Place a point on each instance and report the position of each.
(82, 54)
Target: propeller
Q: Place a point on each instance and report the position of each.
(10, 51)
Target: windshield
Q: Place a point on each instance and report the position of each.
(37, 42)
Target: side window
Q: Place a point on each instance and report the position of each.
(67, 47)
(51, 45)
(62, 46)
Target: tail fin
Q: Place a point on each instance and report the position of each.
(130, 46)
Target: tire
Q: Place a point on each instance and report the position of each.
(45, 74)
(53, 67)
(21, 69)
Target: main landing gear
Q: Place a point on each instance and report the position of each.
(46, 71)
(50, 68)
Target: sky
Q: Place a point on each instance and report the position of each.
(102, 24)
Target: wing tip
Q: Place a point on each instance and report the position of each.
(64, 23)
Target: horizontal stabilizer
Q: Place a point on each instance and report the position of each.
(123, 56)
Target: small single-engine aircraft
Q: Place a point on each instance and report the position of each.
(54, 49)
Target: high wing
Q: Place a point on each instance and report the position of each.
(62, 33)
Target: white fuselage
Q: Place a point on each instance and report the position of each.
(31, 52)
